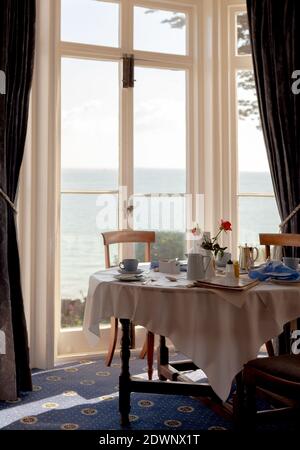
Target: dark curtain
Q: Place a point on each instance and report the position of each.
(275, 38)
(17, 42)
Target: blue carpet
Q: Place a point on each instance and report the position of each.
(84, 395)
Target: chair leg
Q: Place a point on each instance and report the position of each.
(113, 340)
(270, 348)
(250, 404)
(239, 403)
(150, 353)
(144, 349)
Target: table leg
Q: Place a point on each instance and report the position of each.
(150, 351)
(162, 356)
(124, 379)
(132, 335)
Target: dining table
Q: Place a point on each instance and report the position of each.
(219, 330)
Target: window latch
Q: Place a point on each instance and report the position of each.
(128, 71)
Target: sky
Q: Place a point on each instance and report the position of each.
(90, 95)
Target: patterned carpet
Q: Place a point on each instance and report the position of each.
(84, 395)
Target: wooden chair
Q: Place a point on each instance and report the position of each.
(122, 237)
(276, 378)
(283, 240)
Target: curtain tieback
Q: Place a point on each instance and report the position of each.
(285, 221)
(8, 200)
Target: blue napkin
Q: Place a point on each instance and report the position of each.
(275, 270)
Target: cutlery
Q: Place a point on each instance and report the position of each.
(149, 281)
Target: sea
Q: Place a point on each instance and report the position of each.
(85, 216)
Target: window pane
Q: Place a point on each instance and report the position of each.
(90, 123)
(254, 173)
(159, 180)
(243, 36)
(89, 179)
(90, 22)
(159, 31)
(168, 245)
(83, 218)
(160, 158)
(159, 131)
(166, 215)
(160, 212)
(257, 215)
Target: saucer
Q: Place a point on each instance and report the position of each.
(134, 272)
(123, 277)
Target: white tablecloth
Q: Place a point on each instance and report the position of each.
(219, 330)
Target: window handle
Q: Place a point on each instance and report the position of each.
(128, 71)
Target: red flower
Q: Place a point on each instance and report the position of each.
(194, 230)
(225, 225)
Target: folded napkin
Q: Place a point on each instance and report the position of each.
(275, 270)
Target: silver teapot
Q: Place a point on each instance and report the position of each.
(247, 258)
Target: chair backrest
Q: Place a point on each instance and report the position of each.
(281, 239)
(127, 236)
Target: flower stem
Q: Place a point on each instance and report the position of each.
(216, 237)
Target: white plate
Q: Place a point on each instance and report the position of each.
(135, 272)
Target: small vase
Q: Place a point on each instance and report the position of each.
(211, 267)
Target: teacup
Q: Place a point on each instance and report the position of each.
(221, 261)
(293, 263)
(129, 265)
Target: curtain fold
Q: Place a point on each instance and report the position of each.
(17, 42)
(275, 40)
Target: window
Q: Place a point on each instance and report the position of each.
(114, 137)
(89, 174)
(243, 44)
(90, 22)
(256, 206)
(160, 158)
(152, 34)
